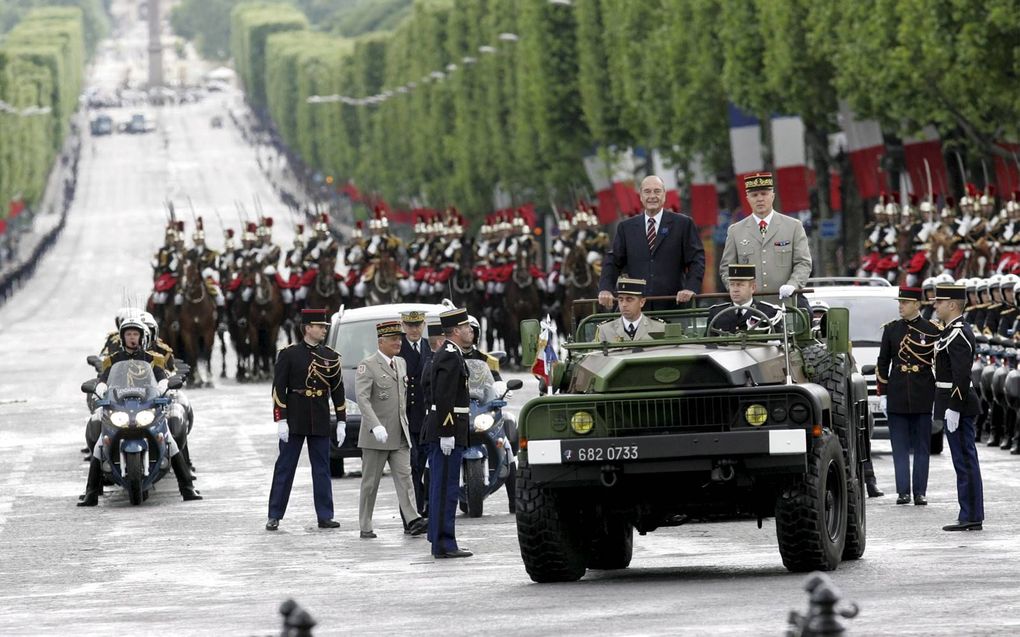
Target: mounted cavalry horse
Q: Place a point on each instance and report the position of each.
(523, 298)
(579, 280)
(193, 333)
(266, 315)
(382, 275)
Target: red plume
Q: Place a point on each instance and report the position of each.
(268, 222)
(230, 233)
(972, 190)
(198, 224)
(300, 228)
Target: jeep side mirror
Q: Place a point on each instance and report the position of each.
(89, 386)
(530, 331)
(837, 330)
(868, 370)
(174, 382)
(514, 384)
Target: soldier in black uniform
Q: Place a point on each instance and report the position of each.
(957, 402)
(446, 431)
(307, 376)
(134, 339)
(907, 390)
(742, 289)
(416, 353)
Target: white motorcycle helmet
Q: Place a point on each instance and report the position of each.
(150, 322)
(135, 322)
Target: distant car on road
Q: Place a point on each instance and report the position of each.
(216, 121)
(137, 125)
(872, 303)
(101, 125)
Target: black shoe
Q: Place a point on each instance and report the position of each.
(1007, 444)
(994, 440)
(963, 526)
(874, 491)
(920, 500)
(453, 554)
(329, 524)
(190, 494)
(273, 524)
(368, 535)
(90, 499)
(417, 527)
(903, 499)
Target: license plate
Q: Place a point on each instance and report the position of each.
(875, 407)
(602, 453)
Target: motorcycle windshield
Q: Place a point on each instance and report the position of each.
(480, 381)
(132, 379)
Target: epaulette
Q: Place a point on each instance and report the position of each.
(492, 362)
(658, 320)
(330, 349)
(605, 322)
(158, 360)
(885, 325)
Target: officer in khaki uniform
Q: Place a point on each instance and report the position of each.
(775, 243)
(381, 384)
(632, 325)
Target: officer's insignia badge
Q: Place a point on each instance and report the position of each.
(361, 368)
(450, 347)
(780, 244)
(744, 242)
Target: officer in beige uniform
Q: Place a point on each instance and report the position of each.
(773, 242)
(381, 384)
(632, 325)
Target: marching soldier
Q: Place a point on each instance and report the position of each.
(907, 390)
(742, 289)
(307, 377)
(446, 431)
(632, 325)
(381, 382)
(957, 403)
(416, 354)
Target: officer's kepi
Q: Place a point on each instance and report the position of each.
(950, 293)
(453, 318)
(741, 272)
(412, 317)
(314, 317)
(759, 181)
(910, 294)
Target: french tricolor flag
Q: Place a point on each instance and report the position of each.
(704, 197)
(866, 146)
(611, 174)
(545, 354)
(926, 146)
(745, 146)
(790, 159)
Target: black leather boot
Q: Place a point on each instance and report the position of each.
(94, 485)
(184, 481)
(995, 427)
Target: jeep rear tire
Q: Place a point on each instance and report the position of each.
(612, 545)
(549, 532)
(811, 515)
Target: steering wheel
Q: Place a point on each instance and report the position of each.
(712, 330)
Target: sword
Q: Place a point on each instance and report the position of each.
(927, 174)
(963, 171)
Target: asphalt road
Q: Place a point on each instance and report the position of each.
(209, 568)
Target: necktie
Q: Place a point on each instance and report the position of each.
(392, 366)
(651, 232)
(415, 347)
(763, 227)
(631, 330)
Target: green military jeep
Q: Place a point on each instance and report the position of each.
(696, 425)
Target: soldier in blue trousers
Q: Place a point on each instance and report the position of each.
(957, 402)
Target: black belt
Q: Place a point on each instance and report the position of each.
(913, 369)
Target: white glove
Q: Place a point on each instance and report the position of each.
(952, 420)
(446, 445)
(882, 404)
(283, 430)
(101, 388)
(786, 291)
(341, 433)
(380, 434)
(499, 387)
(162, 385)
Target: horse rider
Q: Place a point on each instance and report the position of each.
(165, 267)
(558, 252)
(208, 263)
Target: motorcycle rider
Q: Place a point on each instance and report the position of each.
(134, 341)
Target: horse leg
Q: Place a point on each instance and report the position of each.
(223, 355)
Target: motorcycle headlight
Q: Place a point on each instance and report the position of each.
(145, 418)
(352, 408)
(483, 422)
(119, 418)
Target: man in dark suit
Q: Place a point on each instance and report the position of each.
(659, 246)
(742, 289)
(416, 353)
(957, 402)
(307, 377)
(446, 431)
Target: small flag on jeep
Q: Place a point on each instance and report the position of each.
(545, 354)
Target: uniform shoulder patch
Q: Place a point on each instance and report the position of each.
(450, 347)
(656, 320)
(362, 368)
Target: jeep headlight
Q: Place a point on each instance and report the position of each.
(582, 422)
(756, 415)
(145, 418)
(484, 422)
(352, 408)
(119, 418)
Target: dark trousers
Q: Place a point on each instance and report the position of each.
(906, 432)
(419, 454)
(969, 489)
(283, 475)
(444, 490)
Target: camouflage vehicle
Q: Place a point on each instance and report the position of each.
(698, 425)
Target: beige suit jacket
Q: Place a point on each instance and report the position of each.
(781, 257)
(382, 398)
(614, 332)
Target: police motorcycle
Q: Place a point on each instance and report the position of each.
(136, 442)
(177, 396)
(489, 460)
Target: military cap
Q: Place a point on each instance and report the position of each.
(388, 328)
(435, 328)
(314, 317)
(454, 317)
(742, 272)
(910, 294)
(634, 287)
(950, 293)
(759, 181)
(413, 316)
